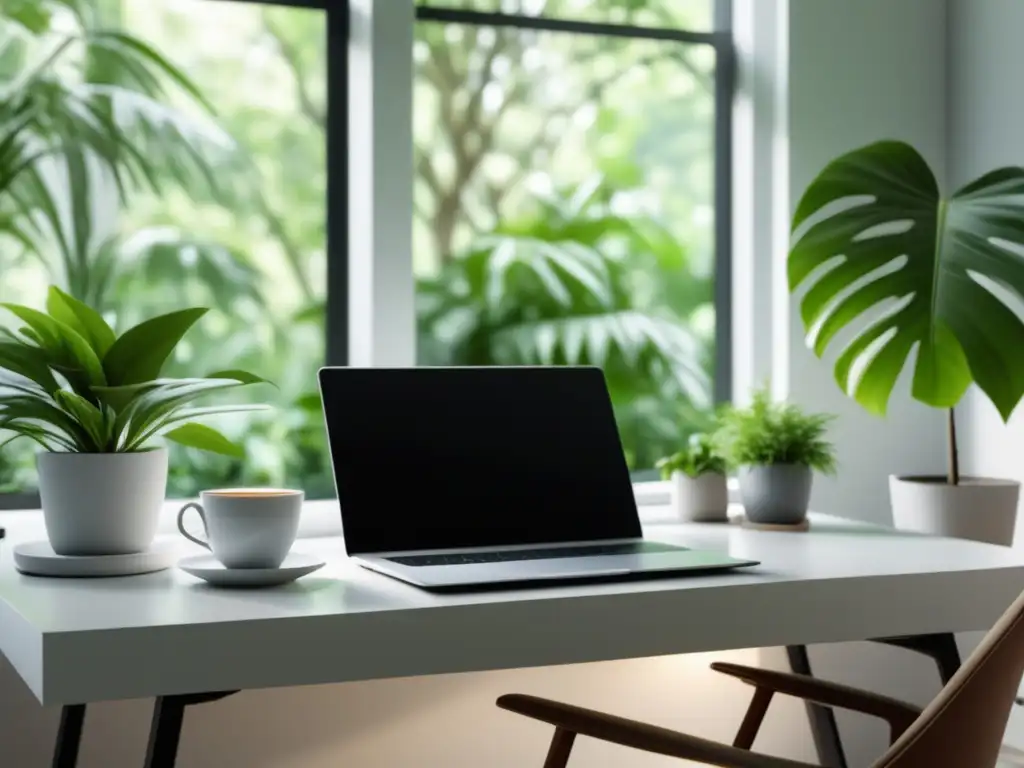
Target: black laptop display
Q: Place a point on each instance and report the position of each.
(428, 461)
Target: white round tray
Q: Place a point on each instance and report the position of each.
(37, 558)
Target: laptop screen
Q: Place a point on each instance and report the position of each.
(437, 458)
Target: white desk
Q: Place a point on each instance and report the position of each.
(78, 641)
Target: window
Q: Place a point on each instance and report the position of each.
(571, 201)
(570, 196)
(237, 127)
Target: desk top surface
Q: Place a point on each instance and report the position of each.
(841, 581)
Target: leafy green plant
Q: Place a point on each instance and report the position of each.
(70, 384)
(768, 432)
(903, 267)
(569, 285)
(701, 456)
(86, 124)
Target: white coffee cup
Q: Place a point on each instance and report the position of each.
(247, 527)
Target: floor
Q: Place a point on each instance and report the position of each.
(1011, 758)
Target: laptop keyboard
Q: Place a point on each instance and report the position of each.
(546, 553)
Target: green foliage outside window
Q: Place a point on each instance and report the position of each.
(164, 153)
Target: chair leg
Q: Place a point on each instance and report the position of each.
(561, 747)
(752, 720)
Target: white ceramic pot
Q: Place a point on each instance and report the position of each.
(979, 508)
(701, 499)
(102, 503)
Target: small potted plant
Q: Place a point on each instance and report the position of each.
(776, 448)
(95, 402)
(697, 474)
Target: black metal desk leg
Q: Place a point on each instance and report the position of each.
(941, 648)
(947, 655)
(165, 731)
(823, 721)
(69, 736)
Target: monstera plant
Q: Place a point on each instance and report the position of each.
(898, 267)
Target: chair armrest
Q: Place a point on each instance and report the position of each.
(898, 714)
(631, 733)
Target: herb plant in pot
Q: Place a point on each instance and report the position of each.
(776, 448)
(895, 267)
(697, 474)
(95, 402)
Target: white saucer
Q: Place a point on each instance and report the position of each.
(37, 558)
(209, 569)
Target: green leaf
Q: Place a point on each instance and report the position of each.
(309, 402)
(895, 266)
(119, 398)
(31, 14)
(127, 45)
(71, 353)
(29, 362)
(15, 382)
(44, 327)
(205, 439)
(82, 318)
(88, 416)
(48, 439)
(189, 414)
(32, 336)
(313, 313)
(157, 403)
(242, 377)
(37, 412)
(620, 342)
(140, 353)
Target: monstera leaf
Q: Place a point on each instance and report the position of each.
(896, 266)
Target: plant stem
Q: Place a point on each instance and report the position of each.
(953, 475)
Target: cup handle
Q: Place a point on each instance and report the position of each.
(181, 524)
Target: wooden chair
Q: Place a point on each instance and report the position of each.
(962, 728)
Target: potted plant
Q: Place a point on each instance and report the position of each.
(895, 267)
(697, 474)
(776, 448)
(95, 402)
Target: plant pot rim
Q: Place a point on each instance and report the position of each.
(773, 466)
(679, 473)
(144, 452)
(965, 480)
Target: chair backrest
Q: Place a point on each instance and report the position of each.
(964, 725)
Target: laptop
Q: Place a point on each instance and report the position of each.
(463, 477)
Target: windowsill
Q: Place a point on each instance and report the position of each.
(659, 493)
(322, 518)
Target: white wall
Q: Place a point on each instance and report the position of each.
(858, 71)
(986, 130)
(986, 120)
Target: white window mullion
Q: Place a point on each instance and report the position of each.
(382, 319)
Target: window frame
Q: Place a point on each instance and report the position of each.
(720, 39)
(390, 278)
(337, 15)
(336, 206)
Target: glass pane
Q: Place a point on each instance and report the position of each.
(692, 15)
(237, 223)
(564, 214)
